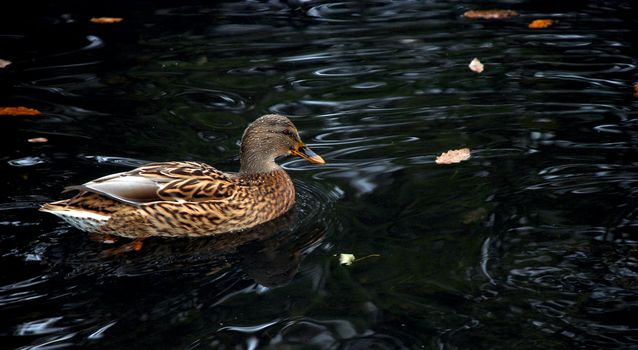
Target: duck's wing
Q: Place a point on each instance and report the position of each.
(170, 181)
(196, 182)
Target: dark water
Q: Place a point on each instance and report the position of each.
(532, 243)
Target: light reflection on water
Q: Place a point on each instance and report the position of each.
(530, 243)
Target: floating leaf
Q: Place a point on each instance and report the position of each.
(4, 63)
(540, 23)
(475, 215)
(346, 259)
(453, 156)
(636, 89)
(106, 20)
(38, 140)
(490, 14)
(476, 66)
(18, 111)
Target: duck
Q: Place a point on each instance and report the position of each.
(192, 199)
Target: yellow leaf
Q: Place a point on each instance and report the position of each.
(4, 63)
(476, 66)
(490, 14)
(453, 156)
(18, 111)
(106, 20)
(38, 140)
(540, 23)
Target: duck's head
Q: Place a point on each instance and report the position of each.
(269, 137)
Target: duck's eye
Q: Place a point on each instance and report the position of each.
(286, 132)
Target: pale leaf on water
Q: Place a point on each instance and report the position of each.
(453, 156)
(4, 63)
(476, 66)
(346, 259)
(38, 140)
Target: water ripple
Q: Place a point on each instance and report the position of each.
(27, 161)
(348, 71)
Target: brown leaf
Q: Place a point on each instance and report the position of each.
(636, 89)
(476, 66)
(18, 111)
(540, 23)
(38, 140)
(106, 20)
(490, 14)
(453, 156)
(4, 63)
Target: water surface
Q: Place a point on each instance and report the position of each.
(529, 244)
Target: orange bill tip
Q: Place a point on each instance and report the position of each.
(306, 153)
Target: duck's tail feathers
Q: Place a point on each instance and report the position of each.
(85, 220)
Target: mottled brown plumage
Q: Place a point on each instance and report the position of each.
(192, 199)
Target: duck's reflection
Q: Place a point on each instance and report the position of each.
(269, 254)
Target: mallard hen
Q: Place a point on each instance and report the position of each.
(189, 199)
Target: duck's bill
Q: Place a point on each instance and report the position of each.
(307, 154)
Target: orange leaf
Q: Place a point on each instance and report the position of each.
(106, 20)
(540, 23)
(490, 14)
(453, 156)
(636, 89)
(4, 63)
(476, 66)
(18, 111)
(38, 140)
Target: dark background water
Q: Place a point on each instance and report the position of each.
(532, 243)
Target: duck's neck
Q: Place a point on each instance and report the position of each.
(257, 163)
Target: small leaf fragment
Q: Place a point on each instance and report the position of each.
(490, 14)
(453, 156)
(38, 140)
(636, 89)
(476, 66)
(4, 63)
(475, 215)
(106, 20)
(19, 111)
(540, 23)
(346, 259)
